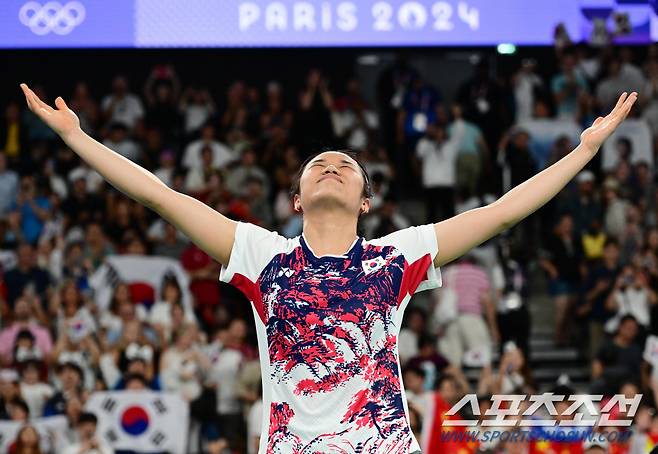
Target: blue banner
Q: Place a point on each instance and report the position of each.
(310, 23)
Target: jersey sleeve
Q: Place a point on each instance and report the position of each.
(253, 249)
(419, 247)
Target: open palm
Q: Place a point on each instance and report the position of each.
(62, 120)
(602, 127)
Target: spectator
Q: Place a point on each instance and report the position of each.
(222, 155)
(122, 106)
(118, 140)
(563, 265)
(8, 185)
(24, 318)
(474, 329)
(568, 87)
(197, 107)
(438, 154)
(597, 289)
(89, 442)
(618, 360)
(28, 441)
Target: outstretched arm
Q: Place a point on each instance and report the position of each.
(211, 231)
(459, 234)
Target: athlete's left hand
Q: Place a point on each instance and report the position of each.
(602, 127)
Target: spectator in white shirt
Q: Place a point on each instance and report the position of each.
(222, 155)
(89, 442)
(122, 106)
(119, 141)
(197, 106)
(438, 155)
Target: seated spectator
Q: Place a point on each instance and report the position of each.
(24, 319)
(410, 334)
(70, 383)
(631, 295)
(9, 390)
(34, 390)
(26, 275)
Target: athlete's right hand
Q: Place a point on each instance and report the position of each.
(62, 120)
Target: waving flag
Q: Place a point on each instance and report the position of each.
(141, 420)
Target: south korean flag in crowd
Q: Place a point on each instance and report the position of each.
(141, 420)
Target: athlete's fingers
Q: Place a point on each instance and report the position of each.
(61, 105)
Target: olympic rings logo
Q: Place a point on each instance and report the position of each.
(52, 17)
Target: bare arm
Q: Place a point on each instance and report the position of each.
(459, 234)
(210, 230)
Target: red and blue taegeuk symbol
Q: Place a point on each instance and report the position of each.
(134, 421)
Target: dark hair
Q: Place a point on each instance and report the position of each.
(139, 377)
(367, 188)
(414, 370)
(86, 417)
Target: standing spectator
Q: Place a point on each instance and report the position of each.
(584, 206)
(473, 154)
(222, 155)
(26, 276)
(438, 154)
(122, 106)
(161, 91)
(85, 107)
(315, 104)
(197, 107)
(598, 287)
(13, 135)
(568, 87)
(224, 374)
(527, 84)
(475, 326)
(563, 264)
(8, 185)
(33, 207)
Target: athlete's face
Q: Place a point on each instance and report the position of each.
(334, 179)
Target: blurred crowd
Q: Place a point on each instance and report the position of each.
(99, 293)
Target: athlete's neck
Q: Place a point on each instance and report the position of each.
(329, 233)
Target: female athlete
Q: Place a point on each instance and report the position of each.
(328, 304)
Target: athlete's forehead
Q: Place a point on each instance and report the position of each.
(335, 157)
